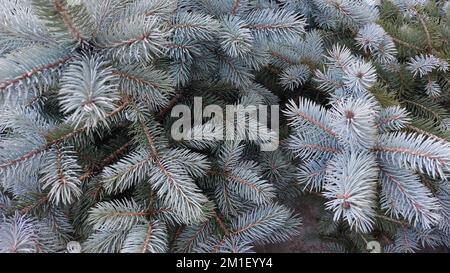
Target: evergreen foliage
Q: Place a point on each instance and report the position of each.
(86, 91)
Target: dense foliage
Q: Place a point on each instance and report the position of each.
(86, 153)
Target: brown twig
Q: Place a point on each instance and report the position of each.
(105, 162)
(160, 116)
(406, 44)
(427, 33)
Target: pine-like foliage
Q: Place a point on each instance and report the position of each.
(377, 150)
(86, 89)
(86, 152)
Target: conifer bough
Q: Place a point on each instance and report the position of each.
(86, 91)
